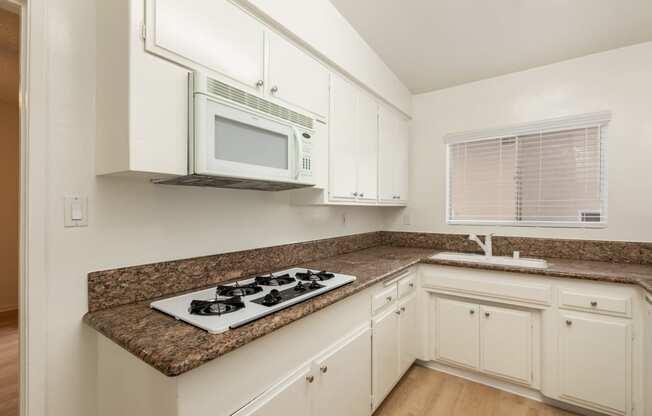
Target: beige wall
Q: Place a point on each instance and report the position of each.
(619, 80)
(9, 157)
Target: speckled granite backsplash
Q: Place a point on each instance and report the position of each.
(590, 250)
(110, 288)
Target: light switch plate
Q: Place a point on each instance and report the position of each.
(75, 211)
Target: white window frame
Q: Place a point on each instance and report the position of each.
(589, 120)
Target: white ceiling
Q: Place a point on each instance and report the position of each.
(434, 44)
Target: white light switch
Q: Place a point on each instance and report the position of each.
(76, 211)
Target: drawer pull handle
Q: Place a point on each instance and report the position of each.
(594, 303)
(389, 298)
(472, 312)
(411, 284)
(323, 369)
(569, 322)
(310, 378)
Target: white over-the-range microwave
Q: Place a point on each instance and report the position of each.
(242, 141)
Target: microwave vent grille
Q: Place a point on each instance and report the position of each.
(234, 94)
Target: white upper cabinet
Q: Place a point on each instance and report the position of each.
(353, 152)
(343, 131)
(506, 343)
(367, 148)
(595, 362)
(393, 157)
(296, 78)
(213, 34)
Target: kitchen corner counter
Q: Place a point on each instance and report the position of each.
(174, 347)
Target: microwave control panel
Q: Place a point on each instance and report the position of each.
(306, 156)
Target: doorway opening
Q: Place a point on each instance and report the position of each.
(10, 157)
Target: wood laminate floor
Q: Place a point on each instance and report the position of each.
(424, 392)
(8, 364)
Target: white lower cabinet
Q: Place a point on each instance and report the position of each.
(291, 396)
(408, 339)
(594, 363)
(458, 333)
(385, 353)
(506, 343)
(494, 340)
(343, 384)
(337, 382)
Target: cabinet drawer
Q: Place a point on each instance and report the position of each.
(383, 298)
(407, 285)
(610, 305)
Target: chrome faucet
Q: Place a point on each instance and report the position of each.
(486, 247)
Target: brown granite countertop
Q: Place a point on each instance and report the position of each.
(173, 347)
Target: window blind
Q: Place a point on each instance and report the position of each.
(540, 178)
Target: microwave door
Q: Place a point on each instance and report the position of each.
(241, 144)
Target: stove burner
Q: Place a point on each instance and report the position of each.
(272, 280)
(310, 276)
(238, 290)
(272, 298)
(215, 307)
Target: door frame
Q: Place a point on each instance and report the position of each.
(34, 121)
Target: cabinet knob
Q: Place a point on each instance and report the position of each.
(323, 369)
(398, 312)
(260, 83)
(487, 314)
(472, 311)
(569, 322)
(594, 303)
(274, 89)
(355, 194)
(389, 298)
(403, 309)
(361, 194)
(411, 284)
(310, 378)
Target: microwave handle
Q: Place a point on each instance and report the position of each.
(299, 148)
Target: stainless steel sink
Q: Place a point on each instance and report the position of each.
(493, 260)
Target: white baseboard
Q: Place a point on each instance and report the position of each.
(522, 391)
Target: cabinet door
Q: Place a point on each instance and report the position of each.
(343, 386)
(215, 34)
(367, 149)
(595, 362)
(343, 145)
(401, 167)
(408, 332)
(385, 354)
(291, 396)
(458, 333)
(296, 77)
(387, 131)
(506, 343)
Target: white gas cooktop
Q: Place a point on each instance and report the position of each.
(221, 308)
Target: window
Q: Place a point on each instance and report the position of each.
(550, 173)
